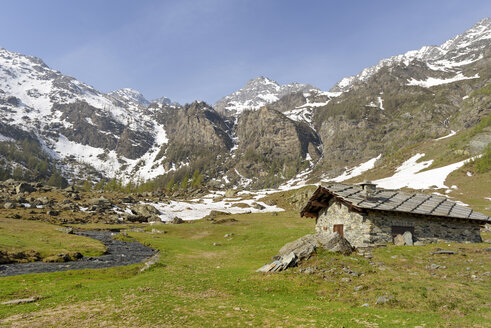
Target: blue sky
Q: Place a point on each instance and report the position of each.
(206, 49)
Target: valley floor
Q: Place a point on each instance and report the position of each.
(206, 278)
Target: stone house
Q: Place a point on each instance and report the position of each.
(367, 216)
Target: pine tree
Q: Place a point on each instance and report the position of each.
(170, 185)
(196, 179)
(87, 185)
(185, 181)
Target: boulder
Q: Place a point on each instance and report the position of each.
(230, 193)
(24, 187)
(135, 218)
(334, 242)
(70, 189)
(176, 220)
(399, 240)
(213, 214)
(128, 200)
(144, 210)
(258, 206)
(408, 238)
(302, 248)
(306, 245)
(43, 200)
(101, 202)
(9, 205)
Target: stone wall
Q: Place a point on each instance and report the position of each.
(356, 227)
(375, 227)
(427, 229)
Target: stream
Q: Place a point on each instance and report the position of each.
(119, 253)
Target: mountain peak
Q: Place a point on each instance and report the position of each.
(130, 95)
(256, 93)
(165, 101)
(461, 50)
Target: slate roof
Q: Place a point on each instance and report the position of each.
(391, 200)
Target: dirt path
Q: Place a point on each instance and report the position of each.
(119, 253)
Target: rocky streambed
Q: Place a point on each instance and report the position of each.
(119, 253)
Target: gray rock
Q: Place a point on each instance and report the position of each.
(289, 260)
(150, 262)
(24, 187)
(345, 279)
(399, 240)
(101, 202)
(442, 251)
(267, 267)
(134, 218)
(230, 193)
(418, 243)
(67, 230)
(365, 305)
(358, 288)
(144, 210)
(408, 238)
(43, 200)
(9, 205)
(383, 299)
(308, 270)
(176, 220)
(304, 246)
(334, 242)
(434, 266)
(21, 301)
(259, 206)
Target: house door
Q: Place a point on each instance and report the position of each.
(398, 230)
(338, 228)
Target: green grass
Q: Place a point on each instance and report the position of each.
(23, 235)
(197, 284)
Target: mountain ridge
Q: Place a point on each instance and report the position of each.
(261, 135)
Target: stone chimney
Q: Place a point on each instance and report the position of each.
(368, 189)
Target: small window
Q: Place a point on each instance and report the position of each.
(338, 228)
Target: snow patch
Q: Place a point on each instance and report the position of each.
(431, 81)
(355, 171)
(190, 210)
(409, 175)
(452, 133)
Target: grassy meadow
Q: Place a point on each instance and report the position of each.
(204, 279)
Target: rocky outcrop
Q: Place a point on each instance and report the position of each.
(303, 248)
(271, 142)
(196, 133)
(146, 210)
(256, 93)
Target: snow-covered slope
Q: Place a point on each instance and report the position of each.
(73, 120)
(449, 57)
(165, 101)
(130, 96)
(256, 93)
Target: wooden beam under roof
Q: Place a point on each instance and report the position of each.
(319, 204)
